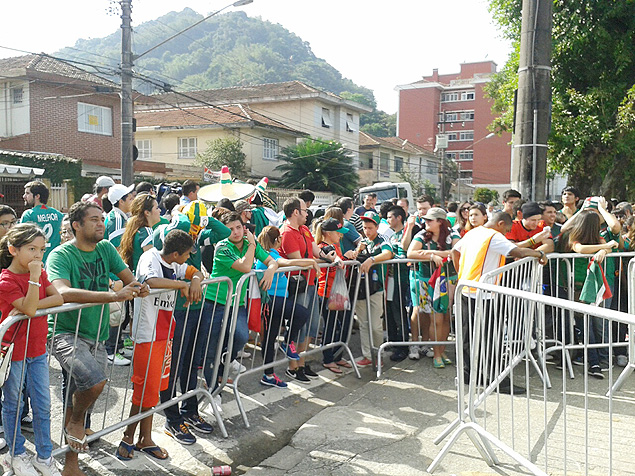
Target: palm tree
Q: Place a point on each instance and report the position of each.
(318, 165)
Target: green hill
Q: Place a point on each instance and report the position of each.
(227, 50)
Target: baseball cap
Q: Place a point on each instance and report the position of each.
(436, 213)
(530, 209)
(242, 205)
(371, 216)
(591, 202)
(117, 191)
(104, 181)
(332, 224)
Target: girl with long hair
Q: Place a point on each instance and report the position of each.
(145, 213)
(462, 220)
(477, 216)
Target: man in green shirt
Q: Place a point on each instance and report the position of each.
(36, 195)
(80, 270)
(234, 257)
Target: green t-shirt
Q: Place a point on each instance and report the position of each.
(259, 219)
(374, 248)
(398, 270)
(89, 271)
(50, 220)
(425, 268)
(115, 226)
(225, 255)
(141, 239)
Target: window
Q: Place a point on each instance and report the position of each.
(398, 164)
(350, 123)
(326, 118)
(467, 96)
(270, 149)
(431, 168)
(467, 116)
(94, 119)
(451, 117)
(187, 147)
(466, 155)
(365, 161)
(17, 95)
(145, 148)
(449, 97)
(466, 135)
(452, 136)
(384, 164)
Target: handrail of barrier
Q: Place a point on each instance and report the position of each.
(482, 438)
(234, 319)
(199, 391)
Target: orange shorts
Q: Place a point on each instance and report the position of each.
(150, 371)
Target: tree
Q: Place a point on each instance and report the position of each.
(593, 132)
(318, 165)
(225, 151)
(419, 187)
(485, 195)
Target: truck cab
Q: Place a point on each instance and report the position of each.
(387, 191)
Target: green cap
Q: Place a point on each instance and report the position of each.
(372, 216)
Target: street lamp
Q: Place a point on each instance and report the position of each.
(488, 136)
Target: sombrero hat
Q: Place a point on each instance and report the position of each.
(225, 189)
(265, 199)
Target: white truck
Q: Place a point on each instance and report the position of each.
(389, 190)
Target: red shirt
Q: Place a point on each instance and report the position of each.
(13, 287)
(520, 233)
(298, 240)
(322, 280)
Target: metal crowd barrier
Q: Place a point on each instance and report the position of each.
(576, 427)
(110, 401)
(271, 338)
(401, 310)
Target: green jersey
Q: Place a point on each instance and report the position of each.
(115, 226)
(87, 270)
(50, 220)
(142, 239)
(376, 247)
(225, 255)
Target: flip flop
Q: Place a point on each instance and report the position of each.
(333, 368)
(73, 439)
(152, 451)
(344, 363)
(128, 447)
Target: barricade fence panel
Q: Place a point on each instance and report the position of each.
(576, 426)
(165, 358)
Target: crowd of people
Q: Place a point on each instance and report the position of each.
(117, 244)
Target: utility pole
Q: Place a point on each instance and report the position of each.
(533, 110)
(127, 138)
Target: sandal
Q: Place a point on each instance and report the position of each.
(152, 451)
(344, 363)
(128, 447)
(333, 368)
(446, 359)
(80, 445)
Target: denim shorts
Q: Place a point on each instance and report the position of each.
(84, 360)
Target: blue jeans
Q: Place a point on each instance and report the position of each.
(184, 365)
(37, 386)
(213, 315)
(309, 300)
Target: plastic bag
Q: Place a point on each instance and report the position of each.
(338, 299)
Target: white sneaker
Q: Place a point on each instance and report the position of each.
(118, 360)
(46, 468)
(413, 353)
(622, 360)
(3, 444)
(243, 354)
(1, 430)
(236, 368)
(20, 464)
(426, 351)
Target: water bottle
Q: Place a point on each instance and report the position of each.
(375, 275)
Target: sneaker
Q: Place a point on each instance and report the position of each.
(198, 424)
(236, 368)
(309, 372)
(128, 343)
(297, 374)
(578, 360)
(243, 354)
(426, 351)
(596, 371)
(218, 401)
(20, 464)
(363, 362)
(289, 350)
(3, 443)
(126, 352)
(26, 424)
(46, 468)
(605, 366)
(118, 360)
(180, 433)
(622, 360)
(398, 355)
(438, 363)
(273, 381)
(413, 353)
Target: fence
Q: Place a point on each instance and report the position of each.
(576, 426)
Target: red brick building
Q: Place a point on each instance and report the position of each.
(455, 105)
(51, 106)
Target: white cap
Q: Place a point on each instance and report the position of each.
(117, 191)
(104, 181)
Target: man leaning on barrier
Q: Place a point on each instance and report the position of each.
(80, 269)
(480, 251)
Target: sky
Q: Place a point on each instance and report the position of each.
(376, 44)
